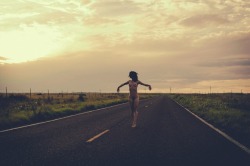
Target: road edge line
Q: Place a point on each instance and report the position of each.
(69, 116)
(57, 119)
(229, 138)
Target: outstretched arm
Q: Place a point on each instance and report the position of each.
(118, 89)
(149, 86)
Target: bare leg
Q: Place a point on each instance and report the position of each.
(131, 103)
(135, 112)
(135, 118)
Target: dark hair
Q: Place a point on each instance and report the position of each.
(133, 75)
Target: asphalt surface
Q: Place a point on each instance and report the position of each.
(166, 134)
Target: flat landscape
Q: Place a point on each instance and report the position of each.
(62, 63)
(166, 134)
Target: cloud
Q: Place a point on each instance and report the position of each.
(154, 47)
(227, 62)
(31, 12)
(204, 20)
(113, 8)
(91, 71)
(97, 21)
(181, 44)
(241, 44)
(234, 44)
(3, 58)
(105, 70)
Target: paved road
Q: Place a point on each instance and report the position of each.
(166, 135)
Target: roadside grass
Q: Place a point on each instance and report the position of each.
(20, 109)
(228, 112)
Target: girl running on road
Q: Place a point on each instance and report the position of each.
(133, 95)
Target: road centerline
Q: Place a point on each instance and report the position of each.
(97, 136)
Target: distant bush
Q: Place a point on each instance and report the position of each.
(81, 97)
(7, 102)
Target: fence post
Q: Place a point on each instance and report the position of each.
(6, 94)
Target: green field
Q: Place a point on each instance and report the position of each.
(228, 112)
(19, 109)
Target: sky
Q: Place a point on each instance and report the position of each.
(91, 45)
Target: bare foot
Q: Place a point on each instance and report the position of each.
(133, 125)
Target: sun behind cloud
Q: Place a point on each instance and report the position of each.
(29, 43)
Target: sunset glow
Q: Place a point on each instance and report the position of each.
(29, 43)
(91, 45)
